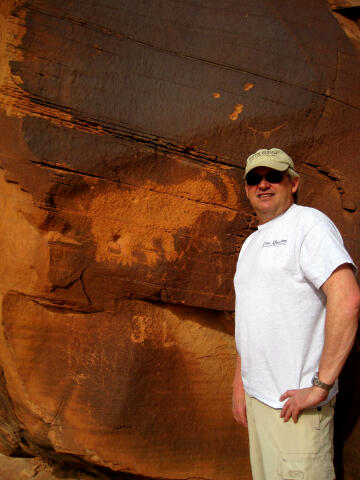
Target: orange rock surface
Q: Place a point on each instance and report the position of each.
(124, 130)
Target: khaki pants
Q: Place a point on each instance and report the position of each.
(291, 451)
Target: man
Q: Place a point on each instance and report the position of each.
(296, 312)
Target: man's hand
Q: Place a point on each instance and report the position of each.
(299, 400)
(239, 406)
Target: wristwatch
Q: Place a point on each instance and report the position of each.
(318, 383)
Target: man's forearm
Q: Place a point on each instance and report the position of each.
(238, 400)
(237, 377)
(342, 310)
(338, 344)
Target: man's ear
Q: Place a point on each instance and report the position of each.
(294, 184)
(246, 190)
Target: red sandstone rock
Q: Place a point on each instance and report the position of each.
(340, 4)
(124, 129)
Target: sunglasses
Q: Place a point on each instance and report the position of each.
(274, 176)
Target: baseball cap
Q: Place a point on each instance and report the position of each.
(273, 158)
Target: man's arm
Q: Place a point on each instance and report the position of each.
(342, 309)
(238, 400)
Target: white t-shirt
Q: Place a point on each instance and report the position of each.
(280, 309)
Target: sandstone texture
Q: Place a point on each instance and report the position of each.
(124, 130)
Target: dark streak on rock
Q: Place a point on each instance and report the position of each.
(83, 286)
(53, 304)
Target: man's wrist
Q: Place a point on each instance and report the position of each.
(316, 382)
(321, 394)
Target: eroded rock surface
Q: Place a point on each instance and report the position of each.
(124, 129)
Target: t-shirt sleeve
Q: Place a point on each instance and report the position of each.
(322, 252)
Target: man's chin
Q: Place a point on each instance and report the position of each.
(264, 207)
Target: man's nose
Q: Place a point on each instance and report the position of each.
(264, 184)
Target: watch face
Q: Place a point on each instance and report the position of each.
(318, 383)
(315, 380)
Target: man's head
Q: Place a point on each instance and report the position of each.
(271, 181)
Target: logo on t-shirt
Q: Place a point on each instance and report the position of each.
(274, 243)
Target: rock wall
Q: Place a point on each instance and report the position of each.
(124, 129)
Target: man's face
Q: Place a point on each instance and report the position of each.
(270, 200)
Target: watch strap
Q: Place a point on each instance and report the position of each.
(316, 382)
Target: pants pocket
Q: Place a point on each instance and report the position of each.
(306, 466)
